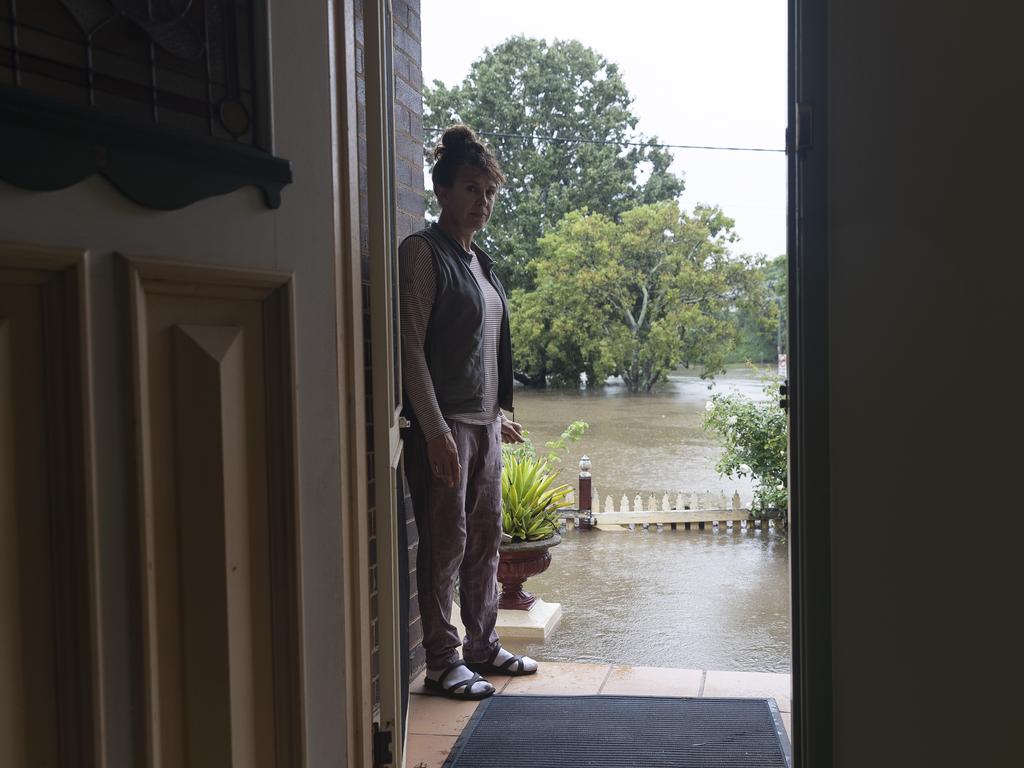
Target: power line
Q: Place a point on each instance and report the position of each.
(557, 139)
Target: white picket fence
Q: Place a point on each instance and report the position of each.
(697, 510)
(683, 501)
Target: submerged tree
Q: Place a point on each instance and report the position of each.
(635, 298)
(577, 106)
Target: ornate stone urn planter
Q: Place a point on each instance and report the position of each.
(517, 562)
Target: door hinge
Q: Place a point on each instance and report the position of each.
(804, 126)
(382, 747)
(784, 396)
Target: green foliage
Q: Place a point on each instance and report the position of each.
(755, 437)
(763, 330)
(563, 89)
(529, 505)
(637, 297)
(573, 433)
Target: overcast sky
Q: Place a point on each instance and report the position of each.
(700, 71)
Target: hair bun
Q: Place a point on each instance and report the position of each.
(454, 140)
(459, 135)
(459, 146)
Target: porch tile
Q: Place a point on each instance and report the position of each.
(561, 679)
(428, 751)
(653, 681)
(439, 716)
(750, 684)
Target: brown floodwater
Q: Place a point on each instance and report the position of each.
(640, 443)
(698, 599)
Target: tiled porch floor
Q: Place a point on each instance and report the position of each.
(435, 722)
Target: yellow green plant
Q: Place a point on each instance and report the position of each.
(529, 505)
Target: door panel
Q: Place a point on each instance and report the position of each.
(217, 538)
(48, 698)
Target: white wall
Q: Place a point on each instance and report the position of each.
(924, 152)
(236, 230)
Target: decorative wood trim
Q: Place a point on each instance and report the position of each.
(150, 286)
(12, 741)
(49, 142)
(176, 278)
(39, 258)
(147, 723)
(351, 391)
(57, 277)
(282, 491)
(208, 374)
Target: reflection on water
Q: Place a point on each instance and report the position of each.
(691, 599)
(641, 443)
(697, 599)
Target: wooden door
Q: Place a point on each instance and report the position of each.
(201, 501)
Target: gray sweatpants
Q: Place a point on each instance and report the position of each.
(459, 533)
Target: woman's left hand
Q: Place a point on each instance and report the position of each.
(511, 431)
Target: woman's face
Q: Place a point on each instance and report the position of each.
(468, 202)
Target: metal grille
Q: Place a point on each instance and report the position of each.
(622, 732)
(191, 66)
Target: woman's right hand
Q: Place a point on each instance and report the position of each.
(444, 459)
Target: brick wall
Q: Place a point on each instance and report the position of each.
(408, 117)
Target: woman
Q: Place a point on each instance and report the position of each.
(457, 370)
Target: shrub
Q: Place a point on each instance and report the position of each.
(755, 437)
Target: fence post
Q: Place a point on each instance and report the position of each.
(585, 484)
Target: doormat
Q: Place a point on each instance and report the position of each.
(509, 731)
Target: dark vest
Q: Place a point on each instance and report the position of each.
(455, 332)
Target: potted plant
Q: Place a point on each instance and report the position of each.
(531, 516)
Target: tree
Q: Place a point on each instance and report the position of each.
(763, 334)
(755, 436)
(565, 90)
(634, 298)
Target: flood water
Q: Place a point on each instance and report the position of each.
(641, 443)
(695, 599)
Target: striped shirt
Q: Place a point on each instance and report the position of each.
(415, 306)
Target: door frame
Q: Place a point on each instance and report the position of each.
(810, 487)
(351, 388)
(810, 482)
(378, 74)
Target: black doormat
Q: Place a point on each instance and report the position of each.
(508, 731)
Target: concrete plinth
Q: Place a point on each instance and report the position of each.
(534, 624)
